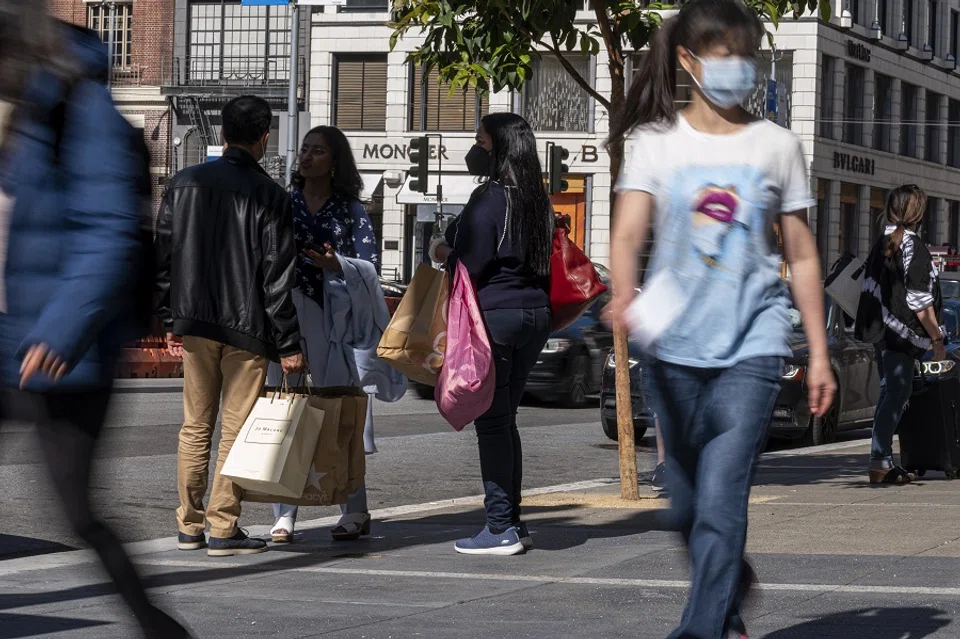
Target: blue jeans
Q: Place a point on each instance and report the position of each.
(517, 337)
(896, 384)
(714, 425)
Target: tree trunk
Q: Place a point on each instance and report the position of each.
(618, 100)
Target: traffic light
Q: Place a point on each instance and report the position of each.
(556, 169)
(420, 156)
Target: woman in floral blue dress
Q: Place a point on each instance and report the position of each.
(329, 220)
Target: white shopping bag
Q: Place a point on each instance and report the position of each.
(654, 310)
(275, 447)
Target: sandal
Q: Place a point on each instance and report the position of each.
(351, 527)
(282, 531)
(895, 475)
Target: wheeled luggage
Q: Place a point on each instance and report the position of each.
(929, 429)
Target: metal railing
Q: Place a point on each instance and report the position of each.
(232, 71)
(128, 76)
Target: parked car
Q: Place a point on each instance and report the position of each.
(570, 367)
(950, 285)
(854, 365)
(392, 293)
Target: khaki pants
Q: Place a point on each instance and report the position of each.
(210, 368)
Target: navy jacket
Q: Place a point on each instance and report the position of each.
(73, 245)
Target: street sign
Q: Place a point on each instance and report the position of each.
(771, 109)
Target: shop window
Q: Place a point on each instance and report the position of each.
(878, 205)
(931, 221)
(551, 100)
(360, 92)
(828, 73)
(853, 104)
(909, 114)
(849, 222)
(98, 20)
(953, 225)
(757, 103)
(683, 89)
(433, 108)
(882, 111)
(933, 128)
(953, 133)
(823, 221)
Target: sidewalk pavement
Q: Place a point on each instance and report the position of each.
(836, 558)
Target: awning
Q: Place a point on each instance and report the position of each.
(457, 189)
(372, 190)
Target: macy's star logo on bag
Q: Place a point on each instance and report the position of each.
(315, 477)
(434, 360)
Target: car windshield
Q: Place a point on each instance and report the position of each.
(950, 288)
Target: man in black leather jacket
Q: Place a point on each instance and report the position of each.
(226, 256)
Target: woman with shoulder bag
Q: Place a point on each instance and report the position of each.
(898, 313)
(504, 239)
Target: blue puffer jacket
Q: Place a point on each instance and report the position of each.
(74, 230)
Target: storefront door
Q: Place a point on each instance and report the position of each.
(573, 204)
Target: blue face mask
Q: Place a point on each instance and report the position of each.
(727, 82)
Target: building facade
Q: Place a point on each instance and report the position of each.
(141, 32)
(873, 94)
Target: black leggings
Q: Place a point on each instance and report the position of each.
(68, 425)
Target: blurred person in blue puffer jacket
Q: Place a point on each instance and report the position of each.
(70, 211)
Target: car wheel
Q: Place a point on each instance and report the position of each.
(423, 391)
(822, 430)
(578, 390)
(610, 430)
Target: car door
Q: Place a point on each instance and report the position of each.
(859, 376)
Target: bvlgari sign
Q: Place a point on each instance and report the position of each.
(858, 51)
(853, 163)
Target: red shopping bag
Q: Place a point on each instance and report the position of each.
(467, 380)
(574, 282)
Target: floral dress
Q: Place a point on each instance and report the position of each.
(341, 221)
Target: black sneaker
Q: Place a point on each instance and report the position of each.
(525, 537)
(659, 481)
(239, 544)
(191, 542)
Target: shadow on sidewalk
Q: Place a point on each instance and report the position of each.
(17, 626)
(876, 623)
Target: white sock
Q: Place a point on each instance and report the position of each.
(285, 523)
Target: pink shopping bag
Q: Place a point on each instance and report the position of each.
(467, 380)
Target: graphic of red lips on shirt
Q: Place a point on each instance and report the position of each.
(718, 203)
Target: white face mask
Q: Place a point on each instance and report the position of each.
(727, 82)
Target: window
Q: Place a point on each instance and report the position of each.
(854, 8)
(954, 32)
(907, 18)
(360, 92)
(553, 101)
(853, 111)
(432, 108)
(98, 19)
(849, 231)
(878, 204)
(929, 227)
(883, 16)
(828, 73)
(933, 8)
(684, 84)
(953, 224)
(953, 133)
(882, 111)
(933, 127)
(909, 94)
(366, 5)
(823, 221)
(237, 44)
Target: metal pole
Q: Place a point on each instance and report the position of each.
(111, 43)
(293, 113)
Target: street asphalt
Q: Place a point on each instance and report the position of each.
(836, 557)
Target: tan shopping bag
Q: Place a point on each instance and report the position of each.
(416, 338)
(273, 451)
(338, 466)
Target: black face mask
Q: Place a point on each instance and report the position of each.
(478, 161)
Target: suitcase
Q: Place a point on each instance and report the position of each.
(929, 429)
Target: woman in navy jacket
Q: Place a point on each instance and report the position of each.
(69, 249)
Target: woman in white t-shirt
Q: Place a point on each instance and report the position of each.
(714, 180)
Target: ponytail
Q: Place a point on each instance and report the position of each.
(653, 87)
(906, 207)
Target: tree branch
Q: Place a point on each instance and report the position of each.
(611, 39)
(579, 79)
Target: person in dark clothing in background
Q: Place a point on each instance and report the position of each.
(226, 252)
(70, 212)
(504, 238)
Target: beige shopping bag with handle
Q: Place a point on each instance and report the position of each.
(338, 464)
(274, 449)
(416, 337)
